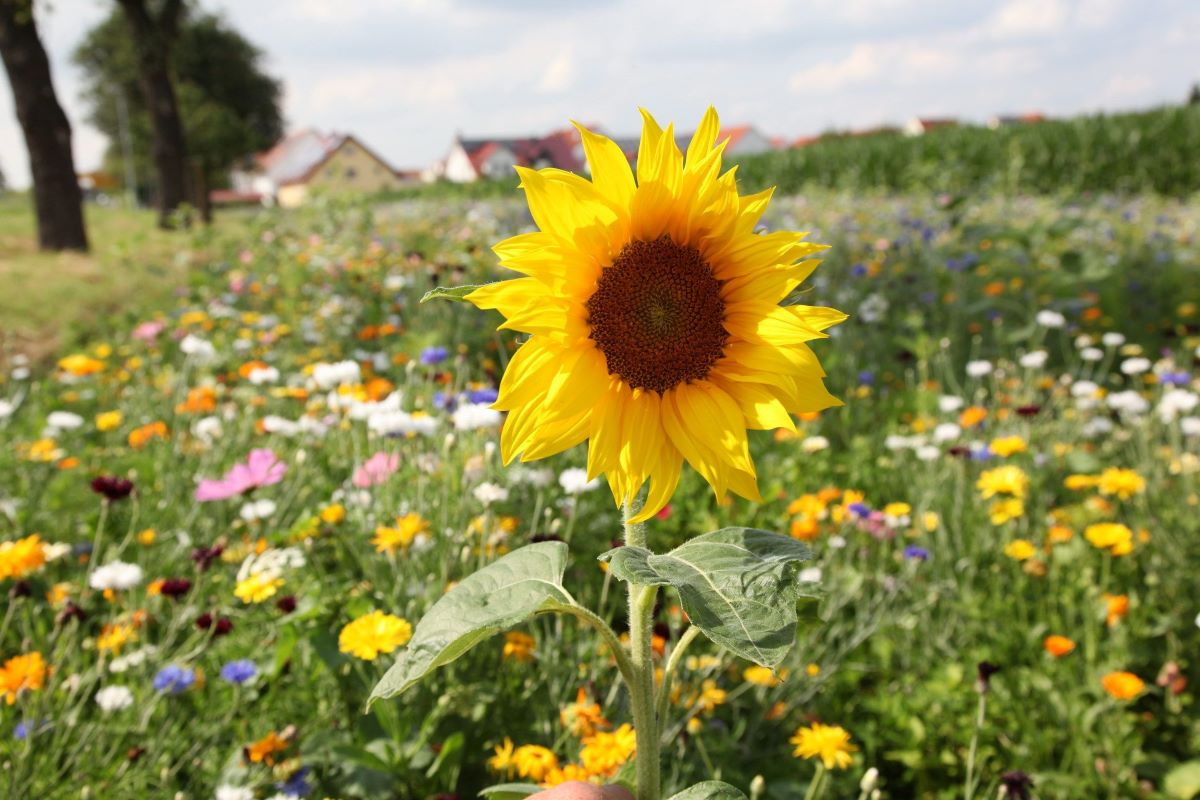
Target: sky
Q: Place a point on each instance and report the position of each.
(406, 75)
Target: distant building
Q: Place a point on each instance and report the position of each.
(922, 125)
(309, 161)
(1006, 120)
(494, 157)
(490, 158)
(740, 140)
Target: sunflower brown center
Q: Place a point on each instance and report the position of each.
(657, 315)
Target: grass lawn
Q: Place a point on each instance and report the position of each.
(52, 298)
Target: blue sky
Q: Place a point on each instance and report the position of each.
(404, 75)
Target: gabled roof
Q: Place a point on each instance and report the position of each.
(295, 155)
(335, 143)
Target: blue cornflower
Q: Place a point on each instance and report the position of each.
(1175, 378)
(25, 728)
(174, 679)
(858, 270)
(434, 355)
(866, 377)
(916, 553)
(239, 671)
(487, 395)
(296, 785)
(981, 453)
(860, 509)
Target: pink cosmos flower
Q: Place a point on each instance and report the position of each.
(377, 469)
(262, 468)
(149, 331)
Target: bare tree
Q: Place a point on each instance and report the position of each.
(154, 31)
(56, 194)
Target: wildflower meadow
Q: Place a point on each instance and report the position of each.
(678, 499)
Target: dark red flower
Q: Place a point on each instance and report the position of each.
(986, 670)
(218, 625)
(1030, 410)
(175, 588)
(286, 604)
(1016, 785)
(205, 556)
(71, 612)
(111, 487)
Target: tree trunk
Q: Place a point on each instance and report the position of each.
(200, 185)
(56, 193)
(152, 40)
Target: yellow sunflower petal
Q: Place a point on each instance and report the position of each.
(611, 173)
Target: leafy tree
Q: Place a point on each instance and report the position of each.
(56, 194)
(1194, 95)
(228, 104)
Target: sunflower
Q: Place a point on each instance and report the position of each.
(653, 308)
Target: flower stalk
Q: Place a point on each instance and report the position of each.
(641, 687)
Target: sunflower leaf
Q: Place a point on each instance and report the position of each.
(737, 585)
(503, 594)
(710, 790)
(510, 791)
(456, 293)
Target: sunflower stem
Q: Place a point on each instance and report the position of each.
(641, 688)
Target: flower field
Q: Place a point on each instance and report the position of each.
(222, 521)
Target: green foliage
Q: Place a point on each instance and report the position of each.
(1152, 151)
(710, 790)
(505, 593)
(454, 293)
(1183, 782)
(230, 107)
(738, 586)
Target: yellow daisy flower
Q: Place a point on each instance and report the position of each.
(372, 634)
(653, 308)
(830, 743)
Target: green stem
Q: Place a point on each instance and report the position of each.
(664, 691)
(979, 717)
(641, 687)
(624, 664)
(815, 788)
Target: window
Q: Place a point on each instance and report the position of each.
(351, 173)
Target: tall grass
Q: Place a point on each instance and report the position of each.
(1152, 151)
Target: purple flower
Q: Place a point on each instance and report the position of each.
(915, 553)
(296, 785)
(239, 671)
(262, 468)
(434, 355)
(174, 679)
(860, 509)
(487, 395)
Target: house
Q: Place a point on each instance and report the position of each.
(308, 161)
(740, 140)
(494, 157)
(1007, 120)
(918, 126)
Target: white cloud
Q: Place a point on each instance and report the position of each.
(406, 74)
(559, 74)
(1018, 18)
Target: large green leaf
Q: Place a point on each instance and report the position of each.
(497, 597)
(510, 791)
(1183, 782)
(710, 790)
(738, 586)
(457, 293)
